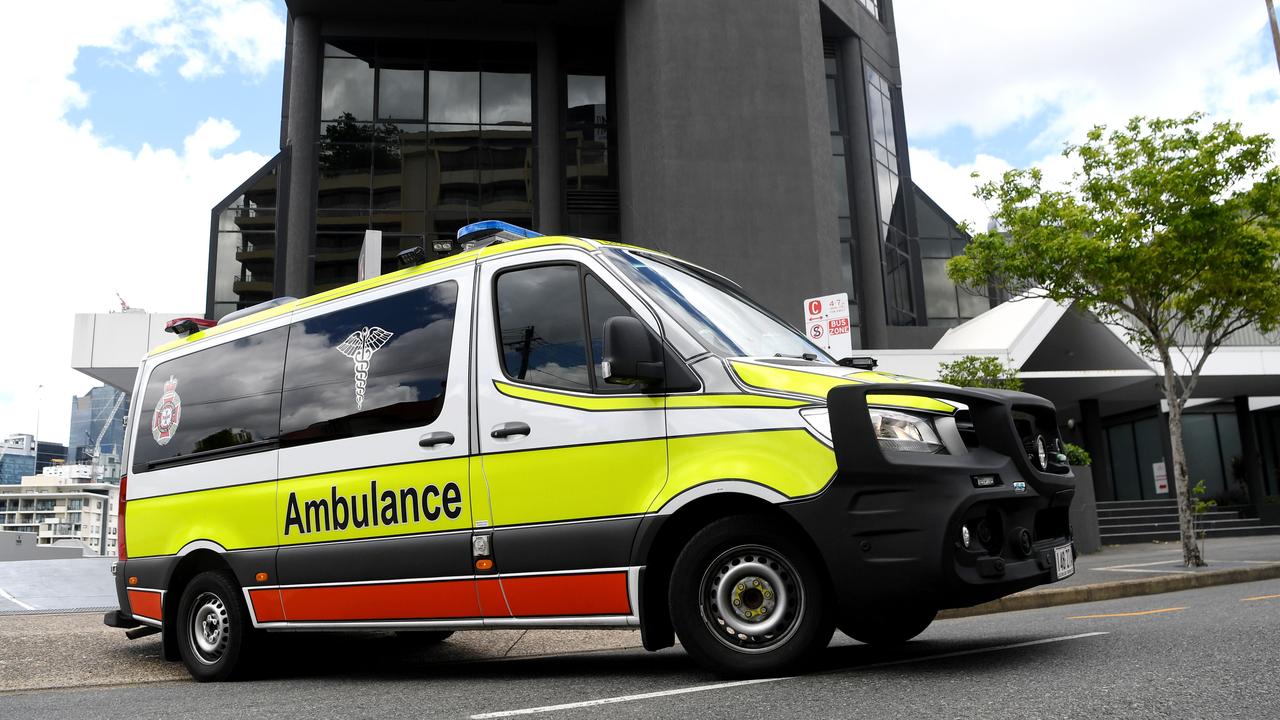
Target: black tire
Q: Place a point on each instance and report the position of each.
(888, 626)
(750, 562)
(215, 635)
(423, 638)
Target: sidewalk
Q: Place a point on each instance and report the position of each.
(1145, 569)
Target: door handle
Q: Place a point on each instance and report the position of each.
(509, 429)
(434, 439)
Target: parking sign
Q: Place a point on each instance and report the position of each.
(826, 321)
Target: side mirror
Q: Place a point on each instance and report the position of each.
(631, 353)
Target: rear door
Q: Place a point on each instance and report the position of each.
(373, 505)
(569, 462)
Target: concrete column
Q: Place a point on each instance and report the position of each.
(1249, 451)
(549, 189)
(302, 134)
(866, 227)
(1095, 443)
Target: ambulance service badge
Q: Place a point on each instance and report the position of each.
(164, 421)
(360, 347)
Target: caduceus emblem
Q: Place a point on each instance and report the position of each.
(360, 347)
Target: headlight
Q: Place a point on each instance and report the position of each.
(894, 430)
(904, 432)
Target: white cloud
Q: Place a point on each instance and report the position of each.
(990, 66)
(84, 220)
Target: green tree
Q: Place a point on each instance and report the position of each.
(1170, 230)
(980, 371)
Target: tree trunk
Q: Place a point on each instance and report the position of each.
(1191, 556)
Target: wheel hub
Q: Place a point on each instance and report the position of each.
(751, 599)
(209, 632)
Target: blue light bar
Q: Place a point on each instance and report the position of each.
(487, 228)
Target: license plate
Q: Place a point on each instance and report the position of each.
(1064, 563)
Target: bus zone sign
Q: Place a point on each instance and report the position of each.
(826, 322)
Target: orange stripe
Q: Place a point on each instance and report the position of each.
(267, 605)
(492, 604)
(393, 601)
(145, 604)
(594, 594)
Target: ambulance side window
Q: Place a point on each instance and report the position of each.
(540, 326)
(218, 398)
(370, 368)
(602, 304)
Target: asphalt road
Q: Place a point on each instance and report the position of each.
(1209, 653)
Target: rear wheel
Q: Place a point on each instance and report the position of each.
(214, 631)
(888, 626)
(746, 599)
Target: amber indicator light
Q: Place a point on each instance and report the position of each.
(133, 580)
(260, 577)
(484, 564)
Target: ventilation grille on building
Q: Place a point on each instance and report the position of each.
(591, 201)
(830, 46)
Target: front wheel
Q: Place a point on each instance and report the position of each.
(747, 600)
(888, 626)
(214, 630)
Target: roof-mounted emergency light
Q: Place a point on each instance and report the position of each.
(487, 232)
(185, 326)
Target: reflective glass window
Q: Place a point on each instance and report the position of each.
(454, 97)
(401, 93)
(347, 89)
(840, 181)
(506, 98)
(218, 398)
(372, 368)
(540, 326)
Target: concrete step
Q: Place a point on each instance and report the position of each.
(1173, 525)
(1167, 535)
(1130, 512)
(1136, 504)
(1171, 518)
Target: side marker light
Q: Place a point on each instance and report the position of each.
(260, 577)
(484, 564)
(133, 580)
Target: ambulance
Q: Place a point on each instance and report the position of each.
(552, 432)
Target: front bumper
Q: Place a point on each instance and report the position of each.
(889, 525)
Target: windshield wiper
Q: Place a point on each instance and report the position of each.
(802, 356)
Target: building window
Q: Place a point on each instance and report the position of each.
(872, 6)
(418, 138)
(590, 158)
(940, 240)
(895, 245)
(841, 182)
(244, 244)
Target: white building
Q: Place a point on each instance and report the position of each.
(68, 503)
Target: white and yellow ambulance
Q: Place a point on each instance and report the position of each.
(556, 432)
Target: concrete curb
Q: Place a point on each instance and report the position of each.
(1052, 597)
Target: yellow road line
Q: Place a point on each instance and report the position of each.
(1260, 597)
(1128, 614)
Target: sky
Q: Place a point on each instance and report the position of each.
(133, 119)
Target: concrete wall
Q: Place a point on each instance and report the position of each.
(22, 546)
(725, 146)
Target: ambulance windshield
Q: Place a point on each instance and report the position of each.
(726, 322)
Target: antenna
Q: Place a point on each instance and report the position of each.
(124, 306)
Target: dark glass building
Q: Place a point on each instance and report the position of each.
(97, 429)
(764, 139)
